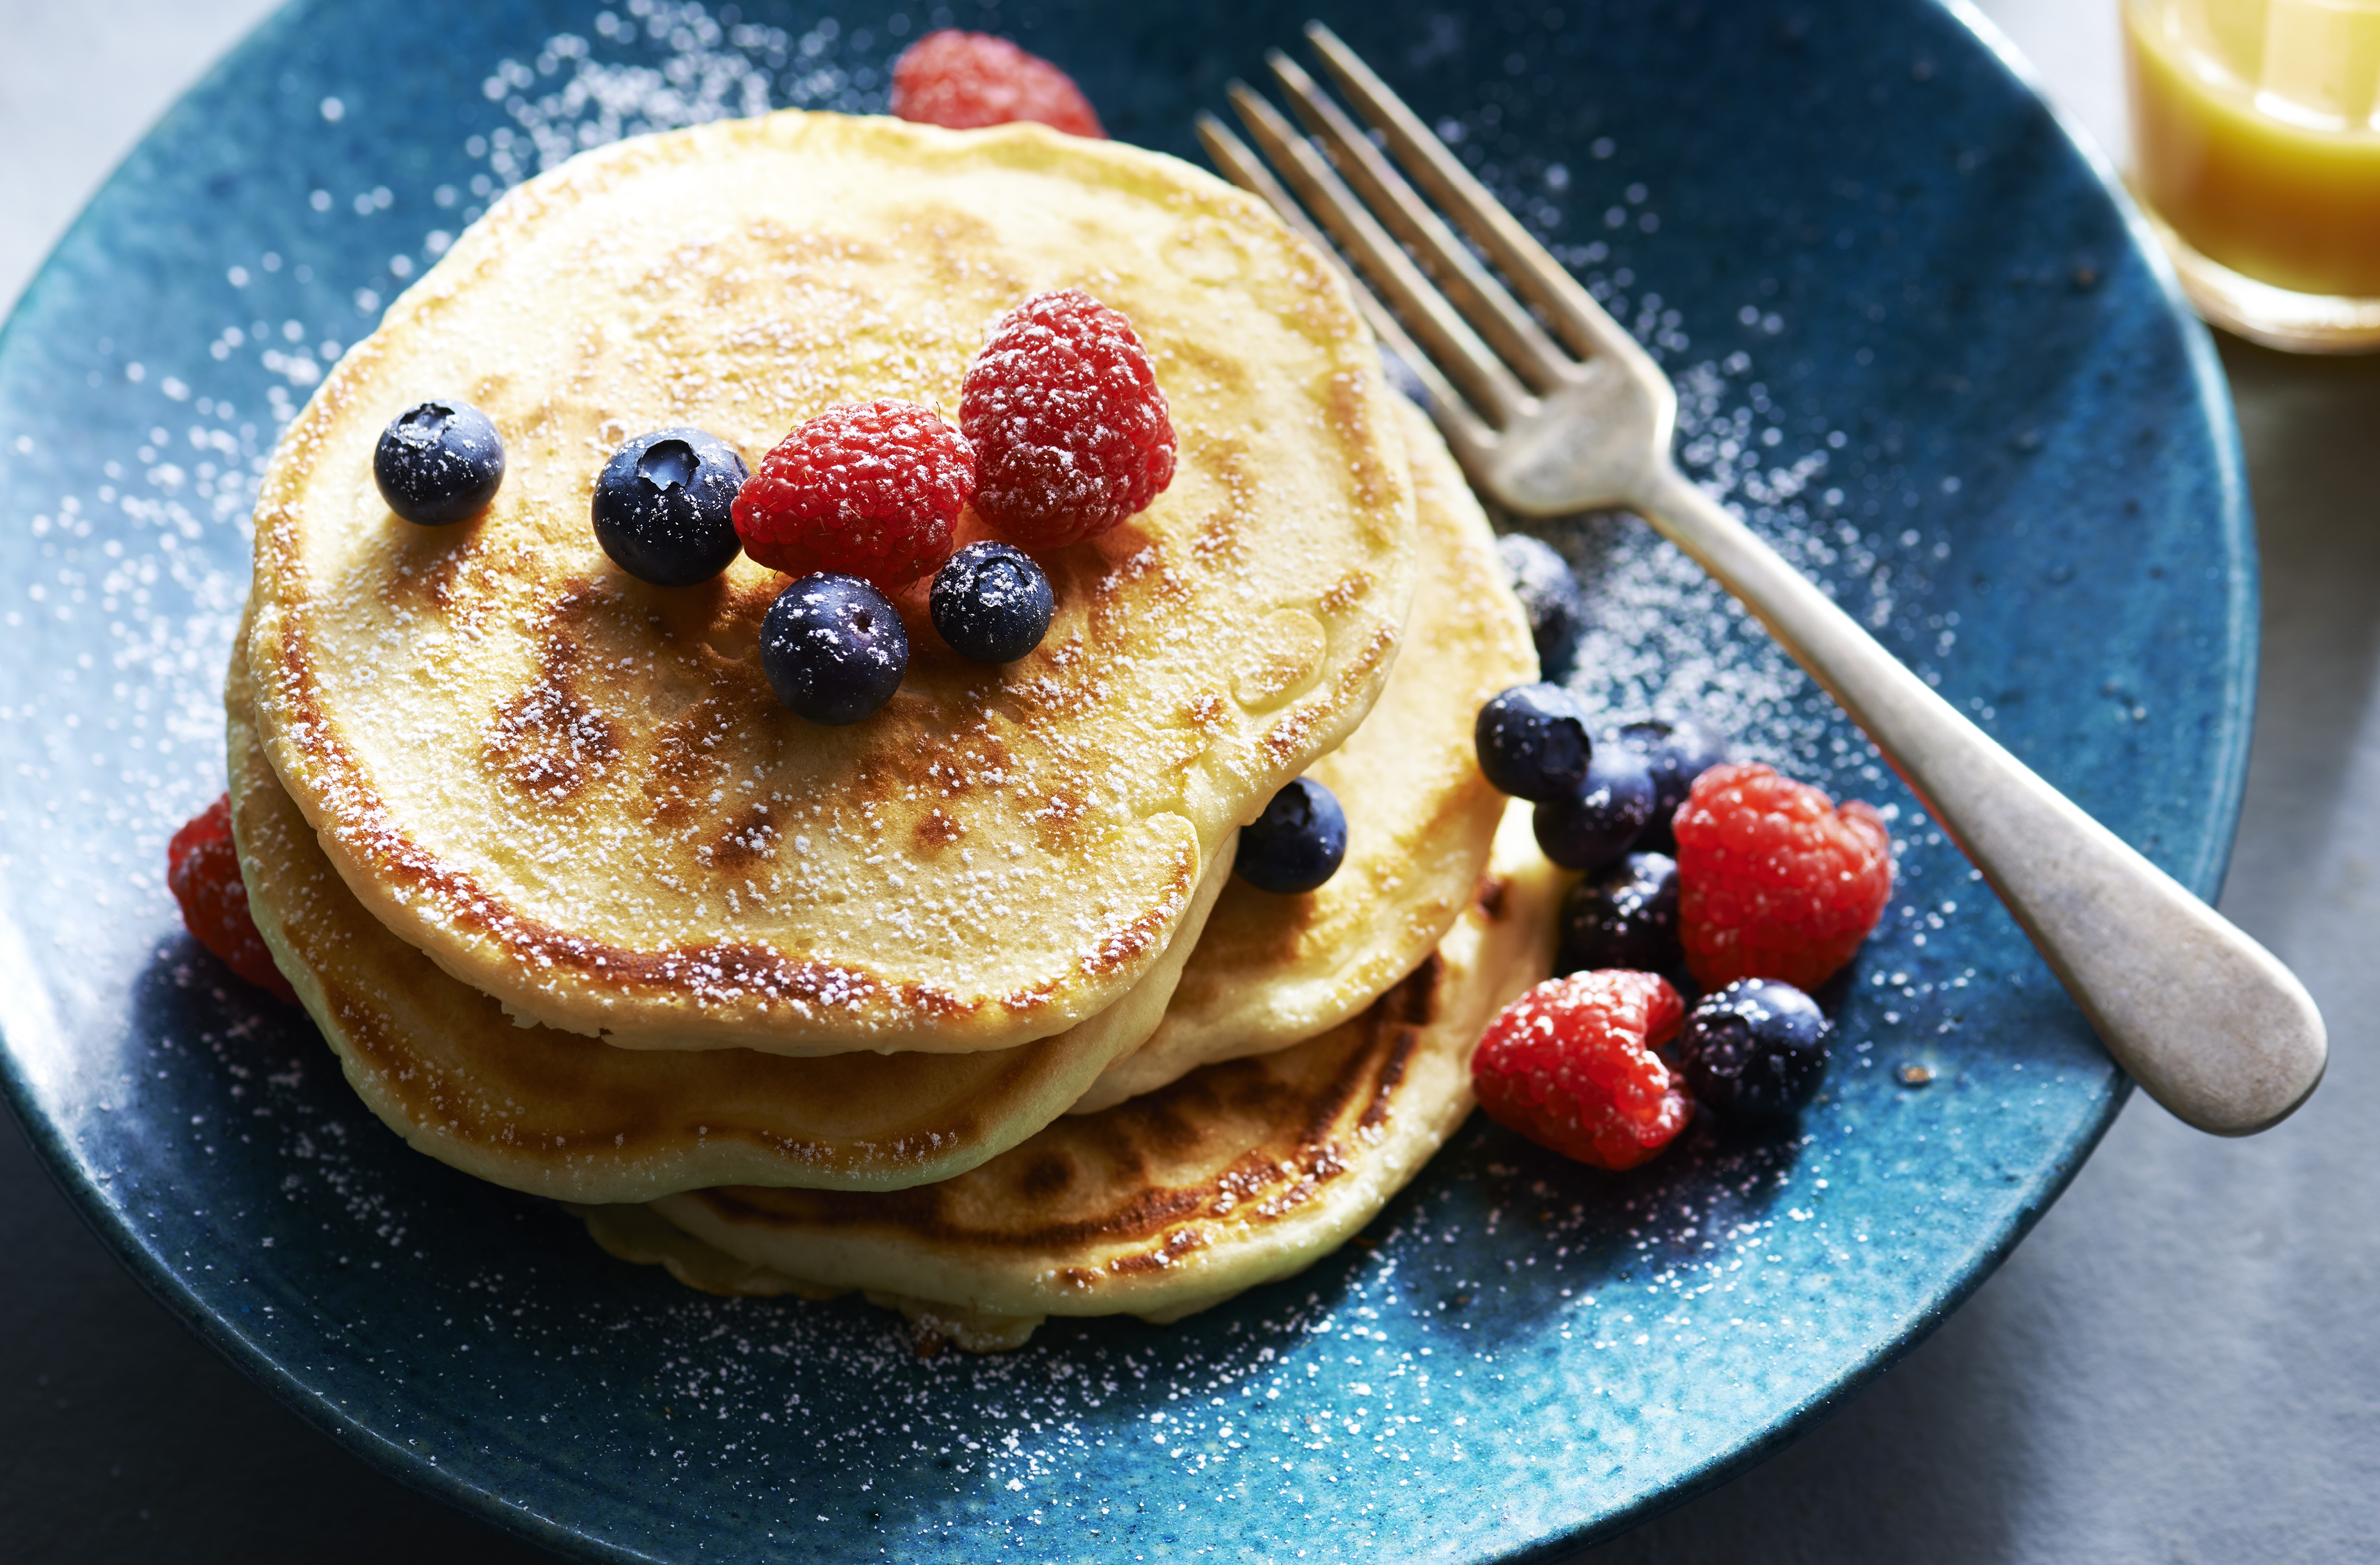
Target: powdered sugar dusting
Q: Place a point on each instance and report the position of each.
(1340, 1396)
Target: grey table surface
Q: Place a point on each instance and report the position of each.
(2182, 1364)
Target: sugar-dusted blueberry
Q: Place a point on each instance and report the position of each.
(1549, 595)
(1755, 1050)
(991, 603)
(1533, 742)
(1676, 750)
(1626, 917)
(665, 506)
(834, 649)
(1596, 821)
(439, 462)
(1297, 844)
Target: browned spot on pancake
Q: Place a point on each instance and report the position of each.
(957, 245)
(706, 974)
(1164, 1127)
(1392, 1074)
(1217, 544)
(1344, 593)
(1285, 742)
(1047, 1174)
(1320, 1165)
(1178, 1243)
(936, 830)
(721, 609)
(432, 562)
(1414, 1001)
(1491, 896)
(1138, 584)
(491, 391)
(1251, 1175)
(749, 838)
(548, 740)
(1327, 1108)
(1030, 998)
(1149, 1212)
(1127, 943)
(683, 768)
(1217, 369)
(1059, 812)
(932, 1000)
(1347, 420)
(954, 781)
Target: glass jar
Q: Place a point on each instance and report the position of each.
(2256, 153)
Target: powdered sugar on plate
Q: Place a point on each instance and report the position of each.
(1347, 1396)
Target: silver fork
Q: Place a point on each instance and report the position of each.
(1580, 417)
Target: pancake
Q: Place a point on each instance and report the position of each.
(559, 1114)
(574, 792)
(1270, 971)
(1238, 1174)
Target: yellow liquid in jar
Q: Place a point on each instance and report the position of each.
(2256, 134)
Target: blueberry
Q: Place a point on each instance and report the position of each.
(439, 463)
(1533, 742)
(1677, 750)
(1296, 843)
(834, 649)
(1596, 821)
(991, 603)
(1627, 919)
(1549, 595)
(663, 506)
(1755, 1050)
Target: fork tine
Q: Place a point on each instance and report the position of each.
(1490, 387)
(1571, 309)
(1469, 437)
(1492, 312)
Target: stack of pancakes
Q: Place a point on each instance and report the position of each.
(958, 1005)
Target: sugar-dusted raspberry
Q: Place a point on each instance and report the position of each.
(203, 870)
(1067, 421)
(1570, 1065)
(865, 489)
(966, 80)
(1774, 881)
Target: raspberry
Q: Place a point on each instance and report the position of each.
(865, 489)
(1775, 881)
(966, 80)
(1067, 421)
(1570, 1065)
(203, 870)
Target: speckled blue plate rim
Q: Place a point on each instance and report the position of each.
(157, 1275)
(2246, 580)
(2205, 878)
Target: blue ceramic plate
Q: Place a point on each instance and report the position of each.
(1918, 340)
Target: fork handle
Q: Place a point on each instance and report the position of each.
(2208, 1021)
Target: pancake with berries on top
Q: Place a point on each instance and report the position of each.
(563, 1115)
(564, 766)
(1270, 971)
